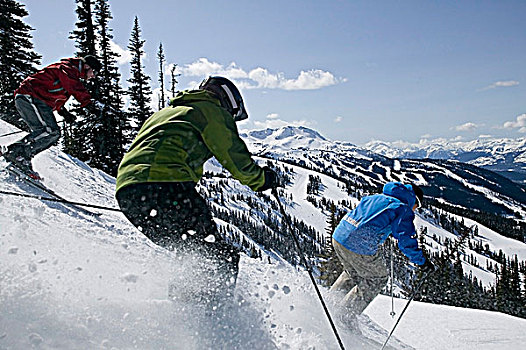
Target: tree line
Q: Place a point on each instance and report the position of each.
(98, 139)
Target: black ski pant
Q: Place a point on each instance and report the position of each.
(44, 128)
(173, 215)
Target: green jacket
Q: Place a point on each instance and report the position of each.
(174, 143)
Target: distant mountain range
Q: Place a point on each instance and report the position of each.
(455, 176)
(504, 156)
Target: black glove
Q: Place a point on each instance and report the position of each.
(271, 179)
(428, 267)
(67, 115)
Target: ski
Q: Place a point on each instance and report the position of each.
(37, 184)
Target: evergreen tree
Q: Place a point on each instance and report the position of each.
(17, 58)
(108, 135)
(160, 57)
(99, 138)
(173, 79)
(77, 135)
(84, 35)
(139, 90)
(502, 288)
(515, 289)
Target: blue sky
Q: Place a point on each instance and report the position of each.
(353, 70)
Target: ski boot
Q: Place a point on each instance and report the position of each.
(22, 164)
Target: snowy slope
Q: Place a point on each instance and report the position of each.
(69, 281)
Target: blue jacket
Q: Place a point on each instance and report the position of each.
(364, 229)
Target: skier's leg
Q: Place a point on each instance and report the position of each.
(371, 278)
(223, 258)
(346, 285)
(174, 216)
(44, 128)
(347, 279)
(368, 274)
(154, 208)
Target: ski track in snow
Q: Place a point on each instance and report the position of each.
(68, 281)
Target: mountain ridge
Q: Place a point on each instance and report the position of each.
(453, 181)
(505, 156)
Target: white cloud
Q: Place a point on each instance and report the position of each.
(307, 80)
(338, 119)
(202, 67)
(274, 123)
(259, 78)
(272, 116)
(506, 83)
(485, 136)
(124, 55)
(519, 123)
(469, 126)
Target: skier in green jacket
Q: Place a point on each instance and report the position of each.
(157, 177)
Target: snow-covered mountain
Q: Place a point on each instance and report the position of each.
(450, 181)
(286, 137)
(504, 156)
(71, 281)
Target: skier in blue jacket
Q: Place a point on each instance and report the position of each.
(360, 235)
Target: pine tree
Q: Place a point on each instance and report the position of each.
(77, 140)
(84, 35)
(173, 79)
(139, 90)
(515, 288)
(502, 288)
(331, 267)
(108, 136)
(160, 57)
(17, 58)
(98, 138)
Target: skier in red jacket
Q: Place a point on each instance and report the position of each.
(42, 93)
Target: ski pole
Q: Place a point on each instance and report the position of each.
(12, 133)
(309, 270)
(422, 280)
(391, 244)
(49, 199)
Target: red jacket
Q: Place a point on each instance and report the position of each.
(55, 83)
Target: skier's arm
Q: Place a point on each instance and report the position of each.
(69, 78)
(222, 139)
(405, 233)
